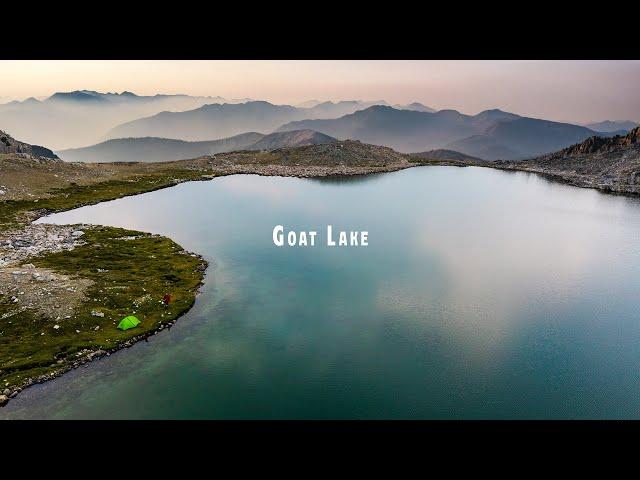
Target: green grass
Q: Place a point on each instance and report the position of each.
(142, 269)
(139, 272)
(74, 195)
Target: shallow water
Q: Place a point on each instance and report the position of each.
(482, 294)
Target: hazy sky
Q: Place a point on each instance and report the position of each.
(578, 91)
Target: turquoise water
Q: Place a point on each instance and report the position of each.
(482, 294)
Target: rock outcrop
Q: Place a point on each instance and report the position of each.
(8, 144)
(611, 164)
(602, 144)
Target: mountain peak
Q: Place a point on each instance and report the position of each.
(378, 108)
(612, 125)
(415, 106)
(77, 95)
(496, 113)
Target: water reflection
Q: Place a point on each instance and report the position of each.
(483, 294)
(347, 179)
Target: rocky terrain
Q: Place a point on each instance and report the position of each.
(64, 288)
(40, 289)
(8, 144)
(610, 164)
(295, 138)
(34, 239)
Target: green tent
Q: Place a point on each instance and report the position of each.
(128, 322)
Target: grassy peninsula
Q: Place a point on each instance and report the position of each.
(63, 289)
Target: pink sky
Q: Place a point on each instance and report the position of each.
(577, 91)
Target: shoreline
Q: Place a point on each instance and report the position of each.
(626, 190)
(278, 171)
(7, 394)
(87, 355)
(97, 354)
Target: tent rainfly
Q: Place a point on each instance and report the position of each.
(128, 322)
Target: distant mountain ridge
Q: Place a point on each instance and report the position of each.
(419, 107)
(521, 138)
(610, 126)
(87, 117)
(402, 130)
(93, 96)
(490, 135)
(210, 121)
(154, 149)
(83, 117)
(224, 120)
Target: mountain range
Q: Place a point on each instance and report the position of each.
(490, 135)
(69, 119)
(210, 121)
(361, 105)
(153, 149)
(85, 117)
(225, 120)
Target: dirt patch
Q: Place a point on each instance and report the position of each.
(41, 290)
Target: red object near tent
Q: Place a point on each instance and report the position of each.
(166, 299)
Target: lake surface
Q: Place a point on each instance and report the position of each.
(482, 294)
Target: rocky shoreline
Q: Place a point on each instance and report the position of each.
(604, 185)
(35, 288)
(608, 164)
(18, 245)
(86, 356)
